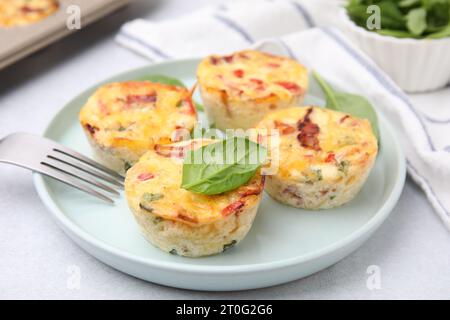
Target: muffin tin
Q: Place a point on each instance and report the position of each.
(20, 41)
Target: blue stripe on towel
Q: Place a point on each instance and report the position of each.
(429, 187)
(234, 26)
(433, 120)
(145, 44)
(305, 14)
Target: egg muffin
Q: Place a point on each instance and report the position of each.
(123, 120)
(182, 222)
(325, 156)
(24, 12)
(240, 89)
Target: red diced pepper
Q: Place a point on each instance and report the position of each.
(239, 73)
(232, 208)
(330, 157)
(291, 86)
(145, 176)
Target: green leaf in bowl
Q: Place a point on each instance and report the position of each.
(416, 21)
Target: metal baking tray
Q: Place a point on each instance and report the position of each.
(19, 41)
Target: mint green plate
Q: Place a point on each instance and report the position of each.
(284, 243)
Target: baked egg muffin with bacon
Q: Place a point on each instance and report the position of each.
(182, 222)
(24, 12)
(123, 120)
(240, 89)
(325, 156)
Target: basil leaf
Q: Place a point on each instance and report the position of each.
(353, 104)
(440, 34)
(199, 106)
(416, 21)
(159, 78)
(222, 166)
(408, 3)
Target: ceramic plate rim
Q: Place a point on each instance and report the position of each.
(69, 225)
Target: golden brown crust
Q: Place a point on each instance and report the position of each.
(24, 12)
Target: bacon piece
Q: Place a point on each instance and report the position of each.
(145, 176)
(253, 189)
(243, 56)
(229, 58)
(273, 65)
(308, 132)
(92, 129)
(330, 157)
(257, 81)
(214, 60)
(232, 208)
(144, 98)
(238, 73)
(291, 86)
(292, 192)
(169, 151)
(191, 108)
(185, 217)
(283, 127)
(260, 85)
(103, 108)
(28, 9)
(343, 118)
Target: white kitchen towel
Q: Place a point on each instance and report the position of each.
(239, 24)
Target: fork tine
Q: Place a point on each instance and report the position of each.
(80, 175)
(88, 170)
(86, 160)
(64, 178)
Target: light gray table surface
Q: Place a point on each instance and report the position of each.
(411, 249)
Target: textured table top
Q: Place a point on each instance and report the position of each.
(37, 260)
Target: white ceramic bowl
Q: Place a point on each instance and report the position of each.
(415, 65)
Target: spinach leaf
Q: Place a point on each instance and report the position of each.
(222, 166)
(440, 34)
(416, 21)
(353, 104)
(397, 33)
(408, 3)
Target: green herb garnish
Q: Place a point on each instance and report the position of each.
(147, 198)
(222, 166)
(127, 166)
(353, 104)
(404, 18)
(229, 245)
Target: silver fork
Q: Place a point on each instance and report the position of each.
(56, 161)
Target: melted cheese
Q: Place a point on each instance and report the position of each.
(253, 75)
(137, 115)
(23, 12)
(344, 144)
(157, 173)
